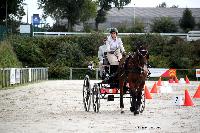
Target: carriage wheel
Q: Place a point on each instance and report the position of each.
(96, 98)
(142, 106)
(86, 93)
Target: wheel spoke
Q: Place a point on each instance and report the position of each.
(96, 98)
(86, 93)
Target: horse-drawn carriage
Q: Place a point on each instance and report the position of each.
(125, 81)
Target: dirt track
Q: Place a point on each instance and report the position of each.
(56, 106)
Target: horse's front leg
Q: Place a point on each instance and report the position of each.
(121, 96)
(139, 97)
(133, 100)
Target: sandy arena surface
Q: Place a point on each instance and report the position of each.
(56, 107)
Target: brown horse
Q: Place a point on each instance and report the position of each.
(133, 71)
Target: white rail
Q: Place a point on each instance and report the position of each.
(84, 33)
(17, 76)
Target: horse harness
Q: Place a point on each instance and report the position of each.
(135, 69)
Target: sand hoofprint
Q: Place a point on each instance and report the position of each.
(57, 107)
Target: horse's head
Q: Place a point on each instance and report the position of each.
(136, 61)
(142, 55)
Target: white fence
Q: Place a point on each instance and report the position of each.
(15, 76)
(193, 35)
(83, 33)
(190, 36)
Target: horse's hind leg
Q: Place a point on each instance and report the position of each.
(121, 102)
(121, 97)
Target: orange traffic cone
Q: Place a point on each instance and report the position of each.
(146, 93)
(197, 94)
(188, 100)
(159, 82)
(176, 80)
(154, 89)
(187, 81)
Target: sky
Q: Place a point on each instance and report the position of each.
(32, 6)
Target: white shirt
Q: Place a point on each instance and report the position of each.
(113, 45)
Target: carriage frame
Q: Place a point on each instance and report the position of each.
(104, 90)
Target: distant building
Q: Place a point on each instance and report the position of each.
(126, 16)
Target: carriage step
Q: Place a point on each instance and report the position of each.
(111, 98)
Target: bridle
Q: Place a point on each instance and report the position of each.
(143, 53)
(137, 57)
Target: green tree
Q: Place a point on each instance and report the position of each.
(105, 6)
(174, 6)
(89, 11)
(163, 25)
(14, 8)
(73, 10)
(187, 22)
(138, 27)
(162, 5)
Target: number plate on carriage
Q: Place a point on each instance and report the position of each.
(110, 97)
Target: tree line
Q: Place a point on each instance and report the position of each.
(80, 11)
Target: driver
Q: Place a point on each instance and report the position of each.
(114, 47)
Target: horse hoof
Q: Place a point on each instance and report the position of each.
(136, 112)
(122, 111)
(132, 109)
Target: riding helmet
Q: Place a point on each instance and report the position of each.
(114, 30)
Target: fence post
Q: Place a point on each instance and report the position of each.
(70, 76)
(7, 77)
(97, 70)
(46, 74)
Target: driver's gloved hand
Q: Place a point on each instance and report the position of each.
(149, 66)
(124, 54)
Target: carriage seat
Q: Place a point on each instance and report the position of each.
(109, 70)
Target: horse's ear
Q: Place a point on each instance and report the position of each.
(138, 44)
(147, 55)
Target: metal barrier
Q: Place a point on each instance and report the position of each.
(17, 76)
(193, 36)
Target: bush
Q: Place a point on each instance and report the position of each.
(8, 57)
(61, 53)
(163, 25)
